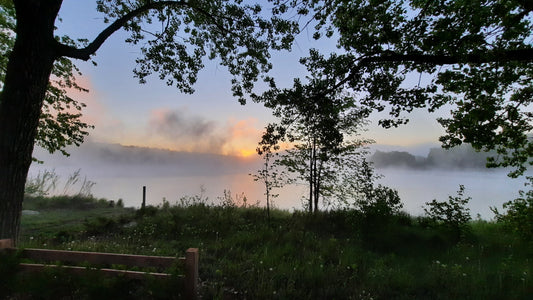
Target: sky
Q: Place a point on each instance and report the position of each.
(209, 121)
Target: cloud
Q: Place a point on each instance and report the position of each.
(178, 130)
(181, 131)
(178, 124)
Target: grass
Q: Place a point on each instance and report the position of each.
(329, 255)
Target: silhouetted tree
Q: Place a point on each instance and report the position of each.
(236, 34)
(270, 175)
(321, 131)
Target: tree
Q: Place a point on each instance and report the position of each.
(269, 174)
(236, 34)
(473, 56)
(322, 131)
(60, 122)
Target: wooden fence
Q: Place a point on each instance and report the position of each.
(53, 257)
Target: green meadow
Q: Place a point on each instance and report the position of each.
(340, 254)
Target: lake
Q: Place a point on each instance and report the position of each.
(414, 187)
(120, 172)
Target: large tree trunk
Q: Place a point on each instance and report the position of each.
(27, 76)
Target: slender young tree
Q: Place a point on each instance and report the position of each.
(236, 34)
(271, 176)
(322, 130)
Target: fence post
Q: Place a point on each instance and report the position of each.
(191, 273)
(6, 243)
(144, 198)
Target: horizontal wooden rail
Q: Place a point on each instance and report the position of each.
(160, 262)
(190, 262)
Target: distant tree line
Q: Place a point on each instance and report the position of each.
(463, 157)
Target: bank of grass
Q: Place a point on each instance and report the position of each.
(328, 255)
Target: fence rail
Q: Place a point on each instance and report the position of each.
(190, 263)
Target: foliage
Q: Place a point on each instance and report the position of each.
(518, 216)
(75, 202)
(241, 256)
(238, 35)
(382, 201)
(321, 131)
(453, 214)
(473, 57)
(42, 184)
(46, 182)
(240, 200)
(269, 174)
(60, 124)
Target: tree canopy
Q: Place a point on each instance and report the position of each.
(472, 57)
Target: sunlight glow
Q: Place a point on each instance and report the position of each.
(247, 152)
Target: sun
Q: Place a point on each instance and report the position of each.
(246, 152)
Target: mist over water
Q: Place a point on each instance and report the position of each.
(120, 173)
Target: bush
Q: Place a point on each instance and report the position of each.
(519, 215)
(453, 214)
(382, 202)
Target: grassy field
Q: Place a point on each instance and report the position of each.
(244, 255)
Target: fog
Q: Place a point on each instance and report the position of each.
(120, 172)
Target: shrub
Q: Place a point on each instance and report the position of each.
(382, 202)
(453, 214)
(518, 217)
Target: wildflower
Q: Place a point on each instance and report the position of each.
(31, 238)
(153, 250)
(270, 269)
(467, 258)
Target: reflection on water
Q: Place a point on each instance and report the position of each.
(415, 188)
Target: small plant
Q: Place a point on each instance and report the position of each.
(227, 201)
(41, 185)
(198, 199)
(453, 214)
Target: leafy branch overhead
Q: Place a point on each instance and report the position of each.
(60, 123)
(474, 58)
(176, 37)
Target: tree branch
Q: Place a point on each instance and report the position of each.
(85, 53)
(525, 55)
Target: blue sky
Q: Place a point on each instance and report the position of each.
(155, 115)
